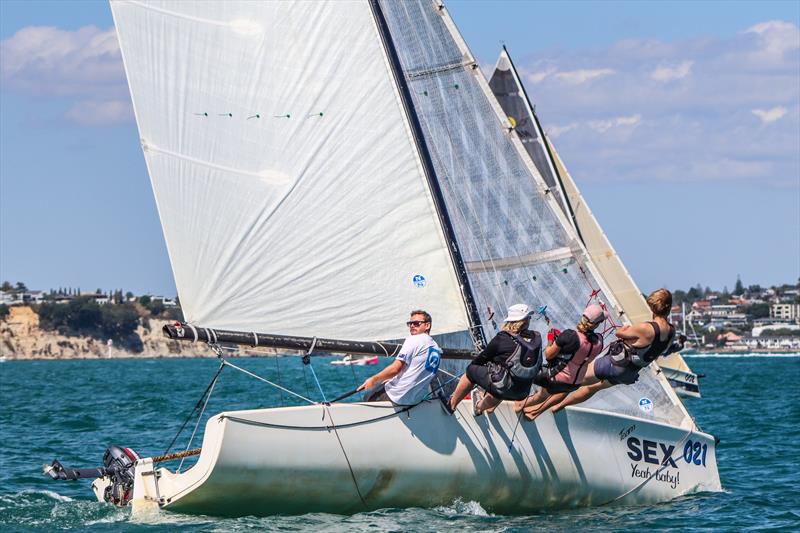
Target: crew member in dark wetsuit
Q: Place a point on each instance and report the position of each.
(568, 355)
(638, 346)
(492, 364)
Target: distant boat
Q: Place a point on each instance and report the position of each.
(349, 360)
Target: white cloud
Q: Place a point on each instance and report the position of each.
(43, 60)
(577, 77)
(539, 75)
(707, 117)
(677, 72)
(776, 36)
(100, 113)
(770, 115)
(557, 131)
(603, 126)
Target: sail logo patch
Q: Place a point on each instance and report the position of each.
(646, 405)
(433, 360)
(419, 281)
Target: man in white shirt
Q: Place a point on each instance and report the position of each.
(405, 381)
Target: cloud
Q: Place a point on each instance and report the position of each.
(770, 115)
(603, 126)
(51, 61)
(557, 131)
(776, 37)
(672, 73)
(577, 77)
(94, 113)
(700, 129)
(81, 67)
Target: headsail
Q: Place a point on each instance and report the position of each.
(511, 94)
(516, 240)
(289, 188)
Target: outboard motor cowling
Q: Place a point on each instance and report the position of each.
(119, 469)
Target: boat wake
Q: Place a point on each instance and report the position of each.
(460, 507)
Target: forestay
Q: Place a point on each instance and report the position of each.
(514, 238)
(287, 182)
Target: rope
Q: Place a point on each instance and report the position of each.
(226, 363)
(307, 362)
(278, 373)
(347, 459)
(176, 455)
(197, 424)
(197, 405)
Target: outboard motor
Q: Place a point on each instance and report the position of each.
(119, 468)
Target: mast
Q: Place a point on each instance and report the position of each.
(476, 330)
(540, 134)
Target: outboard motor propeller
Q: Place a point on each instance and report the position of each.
(119, 467)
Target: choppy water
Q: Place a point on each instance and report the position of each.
(73, 409)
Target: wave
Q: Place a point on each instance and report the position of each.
(738, 355)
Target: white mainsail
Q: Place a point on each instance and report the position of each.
(321, 168)
(289, 189)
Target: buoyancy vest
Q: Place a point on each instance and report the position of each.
(621, 354)
(572, 367)
(521, 365)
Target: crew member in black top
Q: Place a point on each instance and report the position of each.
(491, 365)
(638, 345)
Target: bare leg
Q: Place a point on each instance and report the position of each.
(582, 394)
(463, 387)
(537, 397)
(532, 412)
(488, 403)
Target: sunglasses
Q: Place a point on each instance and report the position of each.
(416, 323)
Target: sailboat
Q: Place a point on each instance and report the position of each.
(507, 87)
(320, 170)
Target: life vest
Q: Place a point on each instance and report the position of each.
(623, 355)
(571, 368)
(522, 365)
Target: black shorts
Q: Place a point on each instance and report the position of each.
(481, 376)
(605, 369)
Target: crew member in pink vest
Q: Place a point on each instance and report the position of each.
(568, 356)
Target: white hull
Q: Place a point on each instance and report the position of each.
(424, 458)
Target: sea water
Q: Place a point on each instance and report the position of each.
(72, 410)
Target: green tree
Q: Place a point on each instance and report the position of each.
(144, 300)
(6, 287)
(4, 310)
(757, 310)
(738, 288)
(21, 287)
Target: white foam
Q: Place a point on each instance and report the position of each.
(460, 507)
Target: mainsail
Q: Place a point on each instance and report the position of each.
(290, 191)
(510, 92)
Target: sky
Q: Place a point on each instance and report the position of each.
(674, 118)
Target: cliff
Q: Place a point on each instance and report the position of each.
(22, 338)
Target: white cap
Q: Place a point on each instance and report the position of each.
(518, 312)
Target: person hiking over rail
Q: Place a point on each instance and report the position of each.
(506, 367)
(568, 355)
(637, 346)
(405, 381)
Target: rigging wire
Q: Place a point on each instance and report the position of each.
(197, 406)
